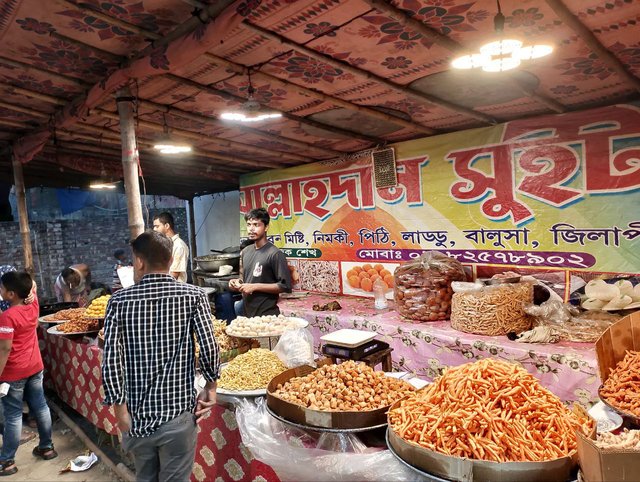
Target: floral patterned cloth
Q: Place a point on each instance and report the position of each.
(569, 370)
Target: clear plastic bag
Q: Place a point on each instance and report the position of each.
(295, 348)
(298, 455)
(568, 321)
(423, 287)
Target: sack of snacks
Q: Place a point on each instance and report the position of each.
(493, 310)
(423, 287)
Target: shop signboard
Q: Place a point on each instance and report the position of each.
(558, 195)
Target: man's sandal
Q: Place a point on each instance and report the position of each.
(46, 453)
(8, 467)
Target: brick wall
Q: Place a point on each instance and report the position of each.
(60, 243)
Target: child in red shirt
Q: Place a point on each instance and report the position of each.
(21, 368)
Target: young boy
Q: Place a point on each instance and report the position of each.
(21, 368)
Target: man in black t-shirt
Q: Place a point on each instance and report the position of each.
(263, 269)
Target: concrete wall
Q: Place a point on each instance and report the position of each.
(217, 221)
(60, 243)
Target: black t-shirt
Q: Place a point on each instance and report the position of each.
(265, 265)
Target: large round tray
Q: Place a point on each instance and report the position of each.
(635, 419)
(261, 392)
(322, 429)
(427, 476)
(43, 319)
(54, 331)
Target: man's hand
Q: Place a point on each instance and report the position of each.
(124, 419)
(235, 284)
(248, 288)
(32, 295)
(206, 400)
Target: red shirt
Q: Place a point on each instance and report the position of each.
(19, 323)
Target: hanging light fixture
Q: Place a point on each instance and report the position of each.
(166, 145)
(105, 181)
(251, 110)
(502, 54)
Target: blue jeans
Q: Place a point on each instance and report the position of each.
(30, 389)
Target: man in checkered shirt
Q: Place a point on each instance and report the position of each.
(148, 368)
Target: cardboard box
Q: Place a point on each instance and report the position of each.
(469, 470)
(603, 465)
(319, 418)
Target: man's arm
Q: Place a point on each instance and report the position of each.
(209, 355)
(179, 263)
(235, 283)
(113, 368)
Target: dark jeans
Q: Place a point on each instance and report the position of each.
(30, 390)
(168, 453)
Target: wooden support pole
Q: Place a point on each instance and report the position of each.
(23, 214)
(130, 161)
(192, 234)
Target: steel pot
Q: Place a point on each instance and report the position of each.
(212, 262)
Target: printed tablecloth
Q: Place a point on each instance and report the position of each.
(73, 371)
(569, 370)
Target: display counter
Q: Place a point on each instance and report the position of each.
(569, 370)
(73, 371)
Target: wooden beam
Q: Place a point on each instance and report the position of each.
(345, 66)
(284, 157)
(130, 161)
(89, 10)
(195, 3)
(105, 53)
(12, 123)
(588, 37)
(376, 114)
(107, 134)
(28, 68)
(23, 215)
(24, 110)
(301, 120)
(406, 21)
(216, 122)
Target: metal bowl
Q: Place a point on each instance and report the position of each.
(212, 262)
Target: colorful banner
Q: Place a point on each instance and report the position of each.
(555, 194)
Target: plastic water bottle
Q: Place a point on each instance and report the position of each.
(379, 292)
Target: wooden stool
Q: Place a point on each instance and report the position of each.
(382, 356)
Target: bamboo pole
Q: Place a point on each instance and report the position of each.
(192, 234)
(23, 215)
(593, 43)
(130, 161)
(345, 66)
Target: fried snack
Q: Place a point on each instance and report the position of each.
(225, 342)
(70, 314)
(79, 326)
(349, 386)
(489, 410)
(493, 310)
(268, 325)
(622, 389)
(625, 440)
(98, 307)
(251, 371)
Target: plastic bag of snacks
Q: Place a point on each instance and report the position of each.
(493, 310)
(423, 287)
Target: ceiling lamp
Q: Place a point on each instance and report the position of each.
(251, 110)
(105, 181)
(165, 145)
(502, 54)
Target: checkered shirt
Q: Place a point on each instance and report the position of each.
(149, 350)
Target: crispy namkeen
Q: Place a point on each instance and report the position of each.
(489, 410)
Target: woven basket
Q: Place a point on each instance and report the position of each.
(493, 310)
